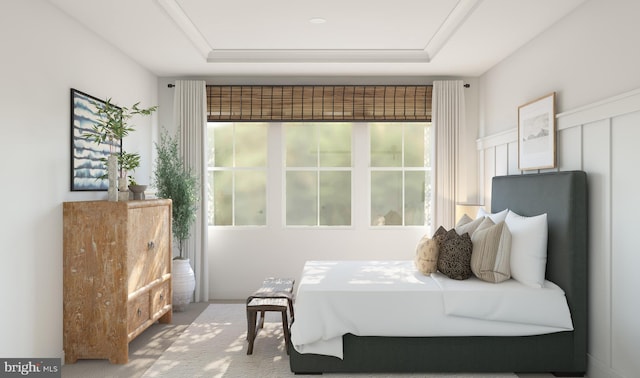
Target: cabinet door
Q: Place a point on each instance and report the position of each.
(160, 297)
(149, 243)
(137, 312)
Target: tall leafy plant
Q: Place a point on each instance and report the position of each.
(174, 180)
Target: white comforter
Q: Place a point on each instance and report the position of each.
(391, 298)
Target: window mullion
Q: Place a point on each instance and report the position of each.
(233, 175)
(317, 134)
(404, 173)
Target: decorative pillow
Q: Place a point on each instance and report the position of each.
(495, 217)
(468, 225)
(454, 259)
(439, 235)
(464, 219)
(528, 248)
(426, 259)
(490, 259)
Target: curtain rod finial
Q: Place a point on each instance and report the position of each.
(170, 85)
(467, 85)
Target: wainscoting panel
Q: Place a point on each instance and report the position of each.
(625, 301)
(502, 165)
(602, 139)
(596, 138)
(570, 155)
(513, 158)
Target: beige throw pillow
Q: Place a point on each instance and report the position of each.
(467, 225)
(490, 259)
(426, 259)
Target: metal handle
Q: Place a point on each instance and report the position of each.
(139, 312)
(151, 245)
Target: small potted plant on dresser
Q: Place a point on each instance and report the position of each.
(174, 180)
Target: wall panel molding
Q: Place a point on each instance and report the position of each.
(601, 139)
(611, 107)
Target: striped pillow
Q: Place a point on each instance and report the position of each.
(490, 259)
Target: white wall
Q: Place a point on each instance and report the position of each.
(591, 60)
(239, 259)
(44, 54)
(589, 55)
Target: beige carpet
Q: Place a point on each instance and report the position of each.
(215, 345)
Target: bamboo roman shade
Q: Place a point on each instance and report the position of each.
(319, 103)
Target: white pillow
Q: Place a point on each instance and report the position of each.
(495, 217)
(528, 248)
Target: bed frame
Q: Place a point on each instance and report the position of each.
(563, 196)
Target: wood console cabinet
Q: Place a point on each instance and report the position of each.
(117, 275)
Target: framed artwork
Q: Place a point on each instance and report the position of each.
(88, 158)
(537, 133)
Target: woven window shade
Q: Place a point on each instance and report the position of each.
(319, 103)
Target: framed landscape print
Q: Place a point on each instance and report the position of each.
(537, 134)
(88, 158)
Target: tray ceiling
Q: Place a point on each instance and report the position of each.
(329, 37)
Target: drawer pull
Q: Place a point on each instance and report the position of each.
(139, 312)
(151, 245)
(161, 296)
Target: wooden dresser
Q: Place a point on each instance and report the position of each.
(117, 275)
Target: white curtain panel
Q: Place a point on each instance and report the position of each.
(448, 114)
(189, 109)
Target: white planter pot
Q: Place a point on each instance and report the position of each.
(183, 283)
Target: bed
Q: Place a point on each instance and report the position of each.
(563, 197)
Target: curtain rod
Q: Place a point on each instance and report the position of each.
(173, 85)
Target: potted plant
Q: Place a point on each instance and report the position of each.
(128, 163)
(174, 180)
(113, 125)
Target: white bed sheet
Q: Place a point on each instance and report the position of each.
(391, 298)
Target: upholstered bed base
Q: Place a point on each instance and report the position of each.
(563, 196)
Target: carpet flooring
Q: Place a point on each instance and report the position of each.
(215, 345)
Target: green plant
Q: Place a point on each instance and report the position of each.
(113, 125)
(174, 180)
(128, 162)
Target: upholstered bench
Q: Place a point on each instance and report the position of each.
(275, 294)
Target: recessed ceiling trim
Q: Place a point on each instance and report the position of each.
(453, 21)
(317, 56)
(446, 30)
(173, 9)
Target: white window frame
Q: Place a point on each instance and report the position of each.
(316, 169)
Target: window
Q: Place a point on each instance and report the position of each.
(313, 168)
(400, 171)
(318, 167)
(237, 173)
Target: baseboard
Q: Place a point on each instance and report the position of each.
(597, 369)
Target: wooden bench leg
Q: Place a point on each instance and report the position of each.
(285, 330)
(291, 310)
(251, 329)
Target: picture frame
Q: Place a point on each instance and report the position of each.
(88, 158)
(537, 134)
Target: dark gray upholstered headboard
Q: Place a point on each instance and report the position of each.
(563, 196)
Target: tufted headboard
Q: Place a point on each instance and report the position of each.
(563, 196)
